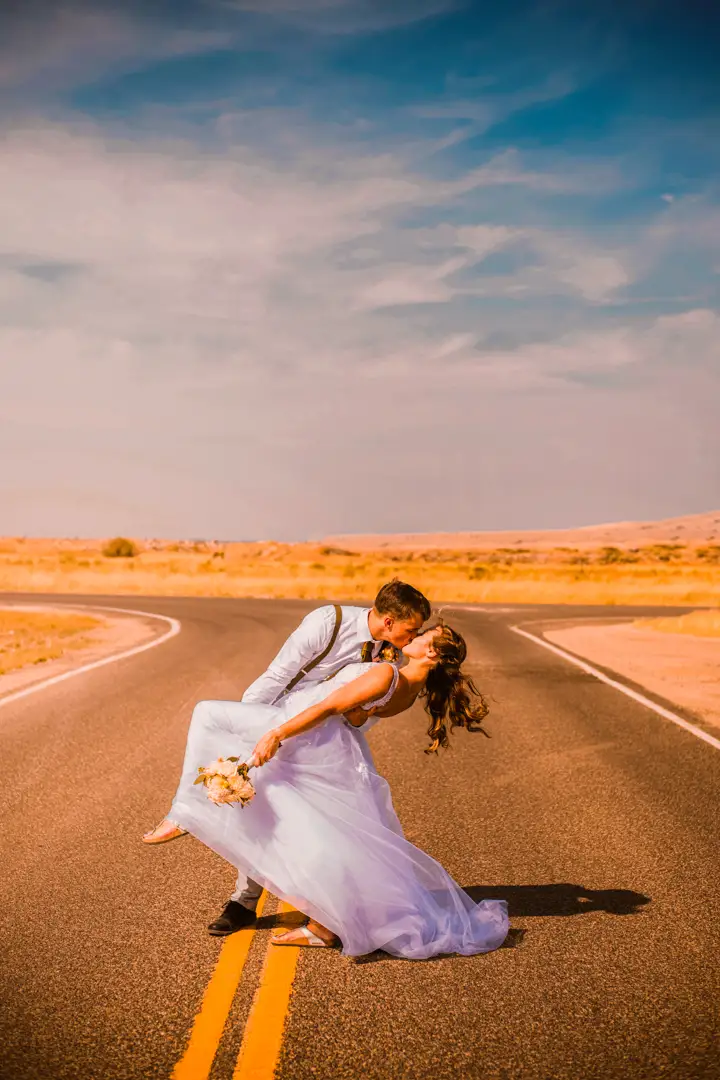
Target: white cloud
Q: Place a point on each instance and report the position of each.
(565, 262)
(676, 341)
(410, 285)
(61, 45)
(581, 266)
(483, 239)
(693, 220)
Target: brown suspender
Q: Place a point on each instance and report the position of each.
(321, 656)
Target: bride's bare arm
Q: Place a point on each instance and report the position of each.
(368, 687)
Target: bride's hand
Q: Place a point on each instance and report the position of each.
(267, 748)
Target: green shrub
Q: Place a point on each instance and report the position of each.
(617, 555)
(610, 555)
(209, 566)
(664, 552)
(120, 548)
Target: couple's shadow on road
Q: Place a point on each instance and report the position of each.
(524, 901)
(562, 899)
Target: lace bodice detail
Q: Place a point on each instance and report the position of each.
(379, 702)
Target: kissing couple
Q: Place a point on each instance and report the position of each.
(321, 832)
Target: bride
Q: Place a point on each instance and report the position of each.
(321, 832)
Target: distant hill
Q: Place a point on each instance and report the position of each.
(692, 529)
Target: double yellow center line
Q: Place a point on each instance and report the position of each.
(260, 1049)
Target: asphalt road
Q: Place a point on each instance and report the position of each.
(593, 816)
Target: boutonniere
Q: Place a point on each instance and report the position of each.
(386, 652)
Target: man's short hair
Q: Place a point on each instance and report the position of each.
(402, 601)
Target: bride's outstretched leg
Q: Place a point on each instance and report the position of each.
(207, 717)
(204, 719)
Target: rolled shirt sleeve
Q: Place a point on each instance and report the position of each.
(304, 644)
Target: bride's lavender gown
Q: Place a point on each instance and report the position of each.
(322, 834)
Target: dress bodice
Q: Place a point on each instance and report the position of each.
(305, 696)
(379, 702)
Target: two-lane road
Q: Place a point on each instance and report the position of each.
(596, 819)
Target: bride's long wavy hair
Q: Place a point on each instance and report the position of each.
(451, 697)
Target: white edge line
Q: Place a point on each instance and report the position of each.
(666, 713)
(175, 628)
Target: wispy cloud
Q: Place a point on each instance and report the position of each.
(486, 109)
(344, 16)
(673, 341)
(46, 47)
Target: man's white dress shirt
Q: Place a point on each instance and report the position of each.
(309, 640)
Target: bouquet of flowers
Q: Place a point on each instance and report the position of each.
(226, 781)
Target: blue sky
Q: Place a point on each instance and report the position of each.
(293, 267)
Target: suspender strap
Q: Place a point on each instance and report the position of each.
(321, 656)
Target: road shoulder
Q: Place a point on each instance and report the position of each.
(681, 669)
(116, 634)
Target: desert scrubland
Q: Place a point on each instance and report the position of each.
(39, 637)
(41, 641)
(671, 562)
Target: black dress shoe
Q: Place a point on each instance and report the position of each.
(235, 916)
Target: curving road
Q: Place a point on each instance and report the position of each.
(596, 818)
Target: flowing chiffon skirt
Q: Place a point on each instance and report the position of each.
(322, 834)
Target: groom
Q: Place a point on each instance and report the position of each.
(325, 641)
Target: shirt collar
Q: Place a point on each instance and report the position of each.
(363, 628)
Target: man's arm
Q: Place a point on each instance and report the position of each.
(303, 645)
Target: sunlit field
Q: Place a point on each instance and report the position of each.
(36, 637)
(670, 573)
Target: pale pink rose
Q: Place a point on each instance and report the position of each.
(222, 767)
(226, 782)
(218, 790)
(243, 790)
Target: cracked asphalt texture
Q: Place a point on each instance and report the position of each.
(595, 818)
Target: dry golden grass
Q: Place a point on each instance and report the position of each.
(697, 623)
(662, 573)
(34, 637)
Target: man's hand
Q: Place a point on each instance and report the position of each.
(267, 748)
(358, 715)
